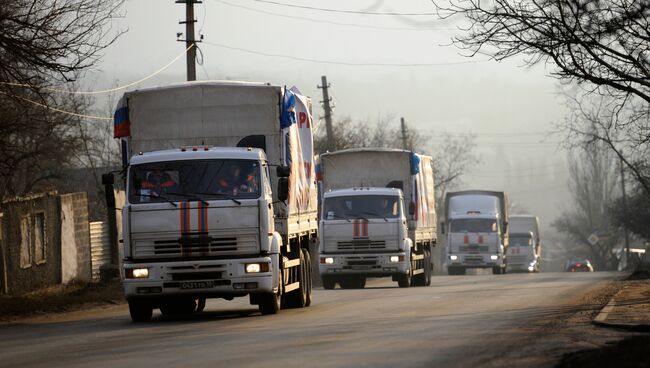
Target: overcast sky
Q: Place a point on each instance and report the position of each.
(510, 108)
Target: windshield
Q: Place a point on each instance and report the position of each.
(362, 206)
(194, 179)
(473, 226)
(520, 241)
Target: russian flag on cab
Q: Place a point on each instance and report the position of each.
(121, 123)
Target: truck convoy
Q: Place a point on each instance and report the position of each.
(525, 244)
(476, 223)
(378, 217)
(205, 216)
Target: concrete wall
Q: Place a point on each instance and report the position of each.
(75, 238)
(31, 239)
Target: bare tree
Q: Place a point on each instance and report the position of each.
(601, 46)
(593, 179)
(452, 158)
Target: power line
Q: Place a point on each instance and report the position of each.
(335, 23)
(58, 90)
(330, 10)
(58, 110)
(339, 62)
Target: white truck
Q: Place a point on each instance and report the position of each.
(477, 230)
(378, 217)
(205, 216)
(525, 244)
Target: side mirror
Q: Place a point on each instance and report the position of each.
(108, 179)
(411, 208)
(283, 189)
(283, 171)
(442, 227)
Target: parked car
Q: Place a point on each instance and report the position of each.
(581, 265)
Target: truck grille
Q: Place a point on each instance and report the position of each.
(517, 259)
(194, 246)
(361, 245)
(471, 259)
(474, 249)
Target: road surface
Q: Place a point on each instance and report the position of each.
(458, 321)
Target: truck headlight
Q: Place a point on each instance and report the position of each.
(328, 260)
(257, 267)
(136, 273)
(494, 257)
(394, 259)
(453, 257)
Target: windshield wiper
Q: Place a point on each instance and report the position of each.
(375, 214)
(192, 196)
(341, 217)
(223, 195)
(159, 196)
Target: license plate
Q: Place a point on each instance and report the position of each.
(197, 285)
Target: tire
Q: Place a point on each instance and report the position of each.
(298, 297)
(404, 280)
(497, 270)
(329, 283)
(200, 305)
(310, 280)
(361, 282)
(428, 270)
(270, 303)
(347, 282)
(178, 307)
(140, 311)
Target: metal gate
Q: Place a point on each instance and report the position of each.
(100, 251)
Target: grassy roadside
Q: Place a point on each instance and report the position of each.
(60, 298)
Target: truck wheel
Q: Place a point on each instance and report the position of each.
(347, 282)
(328, 283)
(270, 303)
(497, 270)
(298, 297)
(309, 278)
(200, 305)
(424, 278)
(361, 282)
(404, 280)
(140, 311)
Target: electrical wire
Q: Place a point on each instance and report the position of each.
(48, 89)
(329, 10)
(59, 110)
(332, 62)
(335, 23)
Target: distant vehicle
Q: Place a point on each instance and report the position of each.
(378, 217)
(477, 230)
(582, 265)
(525, 244)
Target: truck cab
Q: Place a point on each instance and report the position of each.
(521, 253)
(198, 223)
(474, 241)
(364, 233)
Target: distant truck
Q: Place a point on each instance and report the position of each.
(378, 217)
(205, 216)
(476, 224)
(525, 244)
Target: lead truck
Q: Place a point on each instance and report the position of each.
(378, 217)
(477, 231)
(221, 200)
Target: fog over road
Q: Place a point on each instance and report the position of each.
(458, 321)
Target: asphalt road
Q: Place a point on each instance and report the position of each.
(458, 321)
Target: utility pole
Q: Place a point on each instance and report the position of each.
(627, 235)
(404, 140)
(189, 36)
(328, 111)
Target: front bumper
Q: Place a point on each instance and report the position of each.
(474, 260)
(374, 265)
(217, 278)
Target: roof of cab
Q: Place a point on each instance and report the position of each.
(198, 153)
(363, 191)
